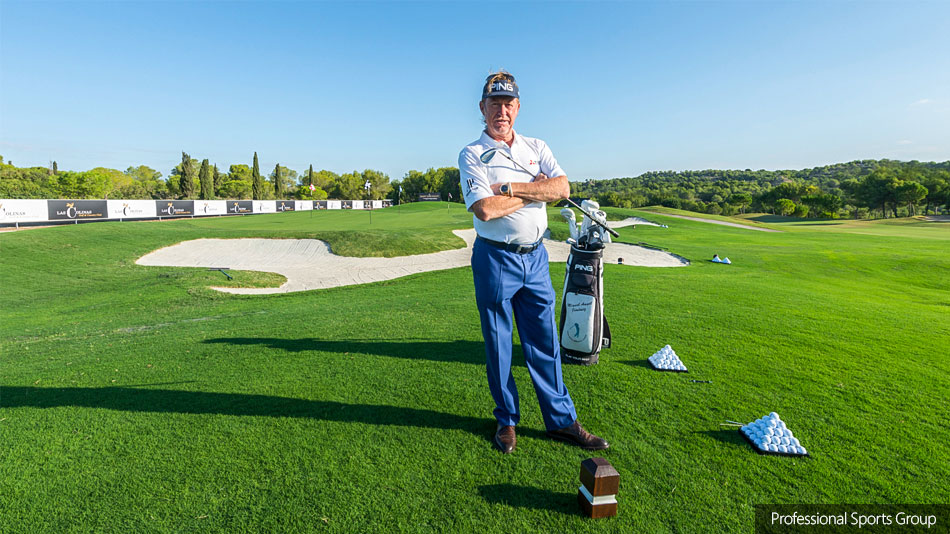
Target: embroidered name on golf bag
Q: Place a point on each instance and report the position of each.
(584, 329)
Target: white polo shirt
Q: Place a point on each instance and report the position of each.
(526, 225)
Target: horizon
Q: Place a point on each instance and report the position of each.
(674, 87)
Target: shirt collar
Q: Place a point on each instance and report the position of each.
(488, 140)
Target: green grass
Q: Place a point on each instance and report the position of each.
(135, 399)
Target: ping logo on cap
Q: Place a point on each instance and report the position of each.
(499, 86)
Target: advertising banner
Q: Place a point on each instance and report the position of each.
(303, 205)
(357, 204)
(429, 197)
(320, 204)
(175, 208)
(237, 207)
(17, 211)
(284, 205)
(334, 204)
(64, 210)
(265, 206)
(387, 203)
(211, 207)
(131, 209)
(347, 204)
(377, 204)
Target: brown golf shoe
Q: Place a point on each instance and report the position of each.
(576, 435)
(505, 439)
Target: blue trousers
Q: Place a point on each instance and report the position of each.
(507, 282)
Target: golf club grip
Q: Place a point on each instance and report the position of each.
(591, 217)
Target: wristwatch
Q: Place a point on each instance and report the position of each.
(505, 189)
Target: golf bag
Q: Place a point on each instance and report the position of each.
(583, 327)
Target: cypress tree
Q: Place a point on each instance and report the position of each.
(257, 185)
(278, 186)
(207, 185)
(216, 178)
(55, 168)
(310, 177)
(187, 183)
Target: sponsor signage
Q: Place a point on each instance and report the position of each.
(211, 207)
(334, 204)
(320, 204)
(358, 204)
(347, 204)
(265, 206)
(303, 205)
(377, 204)
(131, 209)
(63, 210)
(236, 207)
(175, 208)
(387, 203)
(429, 197)
(285, 205)
(17, 211)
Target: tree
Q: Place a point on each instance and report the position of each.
(187, 180)
(288, 181)
(206, 181)
(785, 206)
(278, 185)
(910, 193)
(217, 178)
(55, 168)
(257, 184)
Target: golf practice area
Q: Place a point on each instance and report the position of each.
(136, 398)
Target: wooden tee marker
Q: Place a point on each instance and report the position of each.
(598, 492)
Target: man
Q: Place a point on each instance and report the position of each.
(510, 264)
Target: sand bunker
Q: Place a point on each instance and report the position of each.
(309, 263)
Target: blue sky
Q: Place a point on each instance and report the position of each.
(616, 89)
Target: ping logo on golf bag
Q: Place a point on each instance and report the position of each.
(584, 329)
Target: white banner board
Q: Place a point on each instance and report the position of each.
(211, 207)
(334, 204)
(17, 211)
(357, 204)
(265, 206)
(131, 209)
(303, 205)
(377, 204)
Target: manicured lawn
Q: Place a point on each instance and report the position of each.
(135, 399)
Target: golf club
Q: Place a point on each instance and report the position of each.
(490, 153)
(568, 215)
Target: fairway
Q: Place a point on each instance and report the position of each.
(136, 398)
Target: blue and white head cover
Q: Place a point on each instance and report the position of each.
(500, 84)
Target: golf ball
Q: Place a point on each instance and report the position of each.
(773, 415)
(783, 448)
(766, 439)
(795, 442)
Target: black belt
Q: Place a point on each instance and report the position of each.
(513, 247)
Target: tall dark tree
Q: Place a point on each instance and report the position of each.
(55, 168)
(187, 183)
(278, 185)
(217, 179)
(257, 184)
(310, 176)
(207, 183)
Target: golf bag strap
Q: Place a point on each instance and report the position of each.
(605, 343)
